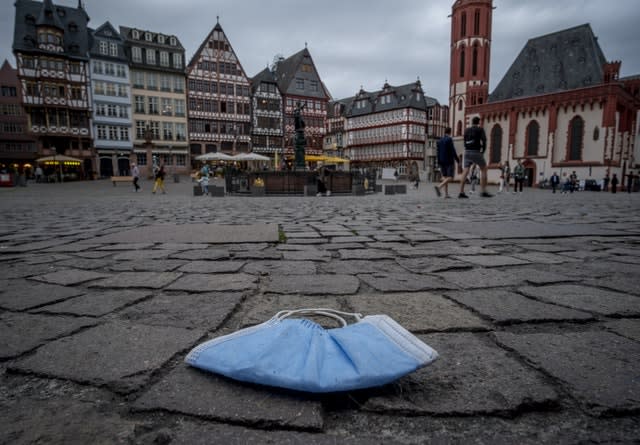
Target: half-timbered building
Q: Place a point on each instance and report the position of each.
(267, 121)
(51, 45)
(561, 106)
(385, 128)
(300, 84)
(218, 98)
(111, 101)
(157, 73)
(17, 147)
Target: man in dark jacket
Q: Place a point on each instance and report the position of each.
(475, 144)
(555, 181)
(447, 156)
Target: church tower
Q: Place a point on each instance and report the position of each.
(470, 58)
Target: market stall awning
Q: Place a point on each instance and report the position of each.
(325, 159)
(215, 157)
(250, 157)
(58, 158)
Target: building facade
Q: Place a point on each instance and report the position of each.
(385, 128)
(300, 84)
(157, 73)
(111, 102)
(17, 149)
(561, 107)
(267, 117)
(51, 45)
(218, 98)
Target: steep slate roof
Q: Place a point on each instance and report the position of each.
(266, 75)
(106, 31)
(289, 69)
(25, 38)
(403, 96)
(560, 61)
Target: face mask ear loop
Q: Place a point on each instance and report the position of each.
(331, 313)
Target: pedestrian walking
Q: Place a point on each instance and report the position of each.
(475, 144)
(38, 174)
(506, 174)
(447, 157)
(159, 180)
(204, 183)
(518, 177)
(605, 183)
(135, 172)
(555, 181)
(630, 182)
(614, 183)
(573, 180)
(474, 177)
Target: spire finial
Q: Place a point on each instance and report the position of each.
(305, 45)
(218, 19)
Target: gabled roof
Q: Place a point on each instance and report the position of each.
(48, 16)
(106, 31)
(288, 70)
(196, 56)
(410, 95)
(6, 66)
(127, 34)
(564, 60)
(73, 21)
(266, 75)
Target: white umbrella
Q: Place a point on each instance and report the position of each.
(58, 158)
(251, 157)
(215, 157)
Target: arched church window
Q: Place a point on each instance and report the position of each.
(462, 62)
(474, 60)
(596, 134)
(576, 137)
(459, 129)
(533, 138)
(495, 150)
(476, 22)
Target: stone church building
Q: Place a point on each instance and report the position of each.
(560, 107)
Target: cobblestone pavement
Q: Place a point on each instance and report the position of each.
(531, 300)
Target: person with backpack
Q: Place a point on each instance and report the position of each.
(518, 177)
(447, 155)
(475, 144)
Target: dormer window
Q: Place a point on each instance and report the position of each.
(135, 34)
(148, 37)
(73, 27)
(172, 41)
(161, 39)
(29, 19)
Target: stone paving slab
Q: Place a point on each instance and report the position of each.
(586, 298)
(23, 270)
(23, 294)
(627, 328)
(20, 333)
(354, 267)
(143, 255)
(202, 255)
(195, 233)
(233, 282)
(198, 434)
(260, 309)
(38, 411)
(189, 391)
(95, 303)
(527, 229)
(126, 280)
(119, 355)
(418, 312)
(472, 376)
(307, 255)
(431, 264)
(365, 254)
(146, 266)
(491, 260)
(207, 267)
(400, 282)
(321, 284)
(283, 267)
(86, 263)
(480, 278)
(600, 369)
(506, 307)
(69, 277)
(200, 311)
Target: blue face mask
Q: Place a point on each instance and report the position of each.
(300, 354)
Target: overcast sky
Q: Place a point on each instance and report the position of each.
(362, 42)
